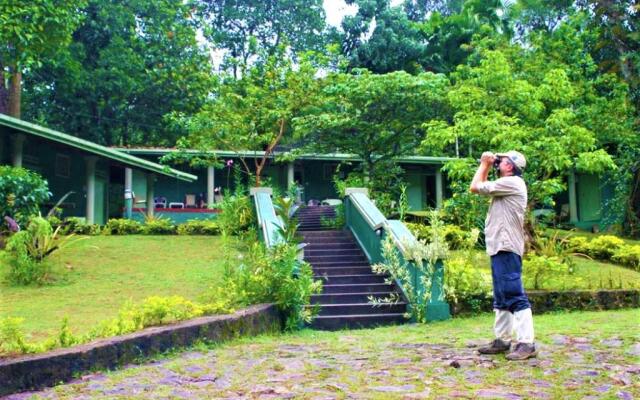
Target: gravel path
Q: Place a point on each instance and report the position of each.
(394, 362)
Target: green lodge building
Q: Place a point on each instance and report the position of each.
(130, 182)
(99, 177)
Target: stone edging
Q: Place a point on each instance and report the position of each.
(61, 365)
(569, 300)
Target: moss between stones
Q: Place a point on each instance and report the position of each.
(48, 369)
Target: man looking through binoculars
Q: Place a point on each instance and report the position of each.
(505, 239)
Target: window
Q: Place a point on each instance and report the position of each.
(63, 166)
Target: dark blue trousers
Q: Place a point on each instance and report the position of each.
(508, 291)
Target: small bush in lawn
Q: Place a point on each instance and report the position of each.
(274, 275)
(463, 280)
(159, 226)
(12, 338)
(578, 244)
(199, 227)
(28, 251)
(604, 246)
(122, 226)
(539, 269)
(628, 255)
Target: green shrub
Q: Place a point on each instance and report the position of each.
(12, 338)
(604, 246)
(158, 226)
(152, 311)
(539, 269)
(420, 231)
(455, 236)
(79, 226)
(236, 214)
(463, 280)
(122, 226)
(25, 254)
(199, 227)
(21, 194)
(578, 244)
(628, 255)
(273, 275)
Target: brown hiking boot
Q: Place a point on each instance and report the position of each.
(523, 351)
(496, 347)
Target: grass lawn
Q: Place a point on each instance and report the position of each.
(589, 274)
(101, 273)
(581, 355)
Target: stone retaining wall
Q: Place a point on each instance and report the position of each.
(48, 369)
(570, 300)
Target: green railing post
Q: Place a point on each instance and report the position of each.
(437, 308)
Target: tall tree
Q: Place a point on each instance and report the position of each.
(30, 32)
(244, 29)
(394, 44)
(254, 112)
(130, 63)
(561, 114)
(418, 36)
(376, 117)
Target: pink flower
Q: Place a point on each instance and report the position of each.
(12, 224)
(229, 163)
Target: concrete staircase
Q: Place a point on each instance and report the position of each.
(348, 281)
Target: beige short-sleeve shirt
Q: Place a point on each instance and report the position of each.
(504, 226)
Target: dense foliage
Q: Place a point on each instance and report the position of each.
(22, 192)
(559, 80)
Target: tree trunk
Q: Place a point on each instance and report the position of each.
(15, 92)
(4, 93)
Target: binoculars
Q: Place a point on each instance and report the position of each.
(496, 162)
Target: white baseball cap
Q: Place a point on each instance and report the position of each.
(516, 158)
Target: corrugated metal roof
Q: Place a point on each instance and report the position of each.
(308, 156)
(92, 148)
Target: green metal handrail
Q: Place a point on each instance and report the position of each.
(269, 223)
(370, 228)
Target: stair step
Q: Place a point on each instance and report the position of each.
(327, 233)
(347, 298)
(362, 308)
(357, 288)
(336, 258)
(344, 279)
(333, 271)
(339, 264)
(337, 322)
(344, 245)
(323, 251)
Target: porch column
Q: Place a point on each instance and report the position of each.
(128, 193)
(439, 189)
(17, 150)
(91, 188)
(573, 204)
(211, 184)
(290, 175)
(151, 204)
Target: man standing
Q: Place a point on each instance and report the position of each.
(505, 237)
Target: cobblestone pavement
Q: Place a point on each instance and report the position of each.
(395, 362)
